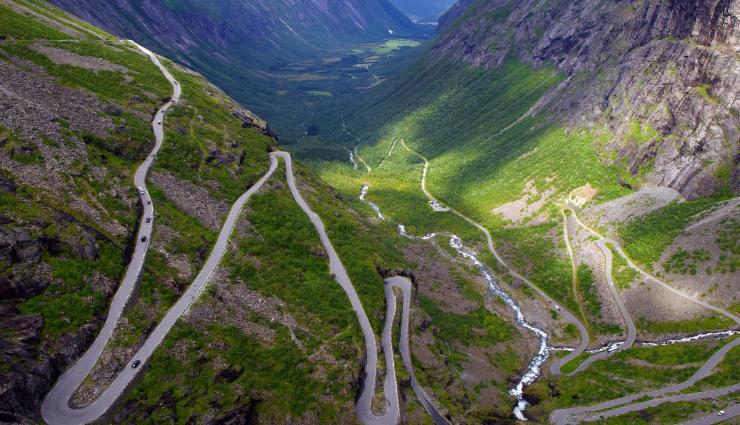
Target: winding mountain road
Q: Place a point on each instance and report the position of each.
(714, 418)
(565, 313)
(55, 409)
(564, 416)
(659, 396)
(650, 277)
(622, 405)
(631, 328)
(404, 284)
(363, 407)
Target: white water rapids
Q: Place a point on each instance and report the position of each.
(373, 205)
(352, 158)
(692, 338)
(535, 366)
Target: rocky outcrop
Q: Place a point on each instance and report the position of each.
(251, 120)
(33, 368)
(660, 77)
(31, 364)
(192, 199)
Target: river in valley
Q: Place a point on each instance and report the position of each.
(534, 370)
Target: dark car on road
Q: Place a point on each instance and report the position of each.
(135, 364)
(143, 239)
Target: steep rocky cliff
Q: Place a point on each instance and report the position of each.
(660, 77)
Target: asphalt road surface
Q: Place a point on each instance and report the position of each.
(600, 416)
(648, 276)
(622, 405)
(404, 284)
(631, 329)
(666, 394)
(55, 409)
(363, 407)
(714, 418)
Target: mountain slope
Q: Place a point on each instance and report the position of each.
(273, 336)
(77, 104)
(424, 10)
(505, 85)
(661, 78)
(240, 44)
(527, 109)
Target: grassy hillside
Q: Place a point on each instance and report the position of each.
(484, 150)
(69, 212)
(303, 362)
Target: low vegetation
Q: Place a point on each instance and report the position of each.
(630, 371)
(646, 238)
(624, 276)
(279, 245)
(692, 326)
(480, 328)
(74, 275)
(686, 262)
(592, 304)
(728, 241)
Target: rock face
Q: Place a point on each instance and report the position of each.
(660, 77)
(22, 391)
(32, 363)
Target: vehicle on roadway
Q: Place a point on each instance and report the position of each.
(159, 122)
(135, 364)
(721, 413)
(143, 238)
(141, 191)
(148, 220)
(148, 202)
